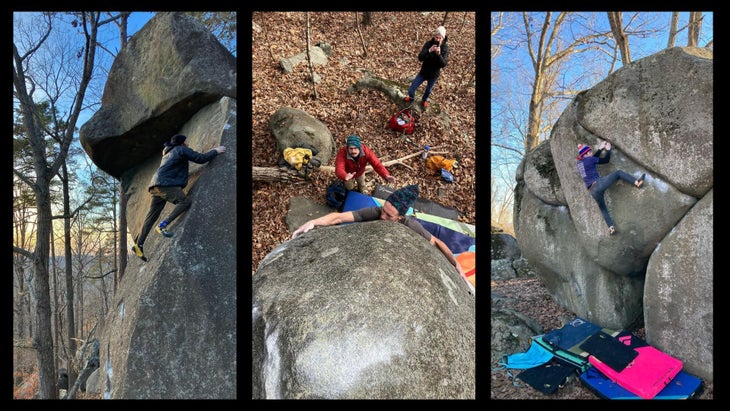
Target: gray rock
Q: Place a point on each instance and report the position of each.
(291, 127)
(167, 72)
(363, 310)
(657, 113)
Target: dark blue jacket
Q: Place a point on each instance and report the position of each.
(173, 170)
(432, 62)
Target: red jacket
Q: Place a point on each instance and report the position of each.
(345, 164)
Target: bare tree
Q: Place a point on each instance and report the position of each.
(446, 16)
(26, 86)
(545, 56)
(362, 40)
(622, 41)
(309, 61)
(367, 18)
(673, 30)
(693, 28)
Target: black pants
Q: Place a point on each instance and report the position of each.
(160, 197)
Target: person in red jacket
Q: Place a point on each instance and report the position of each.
(351, 161)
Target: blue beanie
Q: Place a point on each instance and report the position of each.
(354, 140)
(177, 139)
(403, 198)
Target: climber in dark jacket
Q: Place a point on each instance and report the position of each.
(167, 186)
(434, 56)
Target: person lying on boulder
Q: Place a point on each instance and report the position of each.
(587, 162)
(394, 209)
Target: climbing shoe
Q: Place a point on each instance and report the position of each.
(425, 105)
(407, 99)
(640, 181)
(163, 230)
(137, 250)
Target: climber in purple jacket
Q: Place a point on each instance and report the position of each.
(586, 161)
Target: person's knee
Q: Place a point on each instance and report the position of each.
(184, 202)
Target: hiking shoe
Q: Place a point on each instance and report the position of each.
(163, 230)
(137, 250)
(407, 99)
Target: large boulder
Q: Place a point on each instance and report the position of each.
(658, 114)
(358, 311)
(167, 72)
(679, 290)
(292, 127)
(170, 332)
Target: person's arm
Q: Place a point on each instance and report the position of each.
(201, 158)
(340, 159)
(445, 251)
(444, 55)
(450, 256)
(425, 50)
(325, 220)
(378, 166)
(607, 157)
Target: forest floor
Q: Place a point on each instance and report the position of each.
(387, 48)
(530, 297)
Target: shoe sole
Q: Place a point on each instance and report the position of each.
(139, 254)
(165, 233)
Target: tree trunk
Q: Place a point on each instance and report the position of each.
(309, 61)
(122, 237)
(367, 18)
(362, 40)
(43, 337)
(693, 28)
(56, 314)
(673, 26)
(70, 323)
(622, 42)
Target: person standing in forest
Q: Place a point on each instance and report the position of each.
(434, 56)
(586, 163)
(351, 161)
(167, 186)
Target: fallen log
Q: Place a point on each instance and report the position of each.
(271, 174)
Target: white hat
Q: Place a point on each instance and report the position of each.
(440, 30)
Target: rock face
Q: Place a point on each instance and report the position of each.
(171, 331)
(291, 127)
(658, 114)
(358, 311)
(168, 70)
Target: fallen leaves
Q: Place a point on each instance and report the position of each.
(392, 42)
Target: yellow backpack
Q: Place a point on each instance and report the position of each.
(297, 157)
